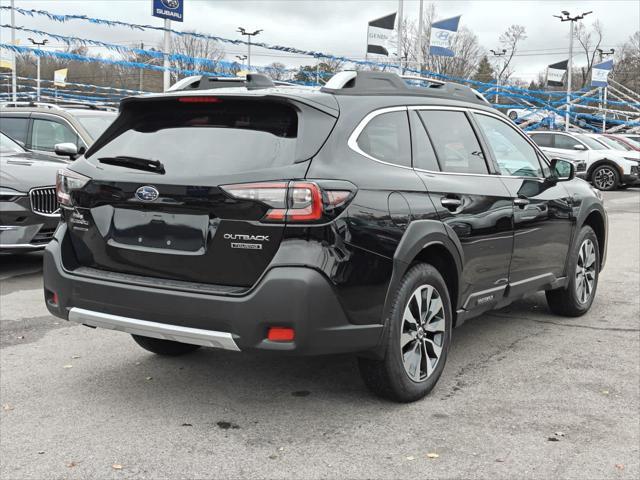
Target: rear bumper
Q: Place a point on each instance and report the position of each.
(298, 297)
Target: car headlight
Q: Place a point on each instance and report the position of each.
(9, 194)
(66, 182)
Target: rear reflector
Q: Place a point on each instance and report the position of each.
(281, 334)
(199, 100)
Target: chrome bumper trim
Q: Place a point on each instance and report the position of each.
(194, 336)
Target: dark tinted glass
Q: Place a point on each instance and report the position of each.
(386, 137)
(514, 155)
(565, 142)
(15, 128)
(543, 139)
(424, 156)
(216, 138)
(455, 141)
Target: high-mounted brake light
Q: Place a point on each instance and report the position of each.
(199, 100)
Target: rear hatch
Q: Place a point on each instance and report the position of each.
(177, 186)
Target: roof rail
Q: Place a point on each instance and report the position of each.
(61, 105)
(388, 83)
(30, 104)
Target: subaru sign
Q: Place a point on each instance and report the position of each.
(168, 9)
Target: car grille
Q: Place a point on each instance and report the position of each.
(44, 201)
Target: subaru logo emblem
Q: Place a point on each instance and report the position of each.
(171, 4)
(147, 193)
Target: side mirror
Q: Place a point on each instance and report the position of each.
(66, 150)
(579, 146)
(562, 170)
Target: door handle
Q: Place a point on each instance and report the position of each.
(451, 203)
(521, 202)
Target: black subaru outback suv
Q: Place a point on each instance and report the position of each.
(370, 216)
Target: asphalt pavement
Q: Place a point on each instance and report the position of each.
(525, 394)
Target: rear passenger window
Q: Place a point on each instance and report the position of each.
(455, 142)
(424, 157)
(15, 128)
(386, 137)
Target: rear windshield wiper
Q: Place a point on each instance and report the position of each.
(136, 163)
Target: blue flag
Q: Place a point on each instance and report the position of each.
(443, 33)
(600, 74)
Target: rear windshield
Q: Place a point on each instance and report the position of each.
(225, 136)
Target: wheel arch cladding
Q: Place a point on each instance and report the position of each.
(595, 220)
(427, 241)
(599, 163)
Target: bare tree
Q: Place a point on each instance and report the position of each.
(509, 41)
(627, 63)
(196, 47)
(590, 41)
(277, 71)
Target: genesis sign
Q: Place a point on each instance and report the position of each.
(169, 9)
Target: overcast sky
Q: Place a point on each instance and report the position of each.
(339, 27)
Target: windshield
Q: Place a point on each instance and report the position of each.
(95, 124)
(592, 143)
(613, 144)
(8, 145)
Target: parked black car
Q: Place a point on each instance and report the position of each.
(369, 216)
(29, 212)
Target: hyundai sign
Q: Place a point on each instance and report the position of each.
(168, 9)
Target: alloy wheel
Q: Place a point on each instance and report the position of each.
(585, 271)
(422, 333)
(604, 178)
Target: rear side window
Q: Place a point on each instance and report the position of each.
(15, 128)
(455, 142)
(386, 137)
(543, 139)
(219, 136)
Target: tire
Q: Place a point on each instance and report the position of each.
(605, 177)
(583, 263)
(390, 377)
(164, 347)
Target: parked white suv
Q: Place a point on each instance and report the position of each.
(607, 169)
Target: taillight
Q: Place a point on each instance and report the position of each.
(292, 202)
(66, 182)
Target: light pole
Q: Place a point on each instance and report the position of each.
(566, 17)
(496, 53)
(603, 90)
(39, 44)
(242, 31)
